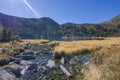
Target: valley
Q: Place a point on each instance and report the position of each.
(42, 49)
(59, 40)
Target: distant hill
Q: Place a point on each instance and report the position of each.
(114, 25)
(113, 21)
(34, 28)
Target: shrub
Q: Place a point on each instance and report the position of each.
(58, 56)
(53, 44)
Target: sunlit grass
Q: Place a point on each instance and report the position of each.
(105, 64)
(33, 41)
(72, 46)
(8, 50)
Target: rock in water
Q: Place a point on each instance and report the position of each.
(62, 60)
(32, 66)
(65, 71)
(51, 64)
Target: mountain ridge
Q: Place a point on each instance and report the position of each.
(47, 28)
(28, 27)
(114, 21)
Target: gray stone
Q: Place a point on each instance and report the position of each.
(4, 75)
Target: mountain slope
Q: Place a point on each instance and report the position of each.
(47, 28)
(114, 21)
(114, 25)
(29, 28)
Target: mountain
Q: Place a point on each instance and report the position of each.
(114, 25)
(110, 28)
(114, 21)
(45, 27)
(30, 28)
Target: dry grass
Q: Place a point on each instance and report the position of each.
(105, 58)
(72, 46)
(33, 41)
(9, 49)
(109, 68)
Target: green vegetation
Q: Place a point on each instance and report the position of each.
(6, 35)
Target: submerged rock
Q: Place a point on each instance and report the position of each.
(16, 72)
(32, 66)
(17, 61)
(27, 55)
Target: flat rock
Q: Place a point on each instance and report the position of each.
(4, 75)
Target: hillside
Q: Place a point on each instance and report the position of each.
(35, 28)
(30, 28)
(113, 21)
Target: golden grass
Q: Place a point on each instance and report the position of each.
(110, 67)
(9, 49)
(33, 41)
(72, 46)
(105, 62)
(4, 57)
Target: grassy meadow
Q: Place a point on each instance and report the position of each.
(72, 46)
(105, 57)
(34, 41)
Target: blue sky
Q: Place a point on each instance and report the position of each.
(62, 11)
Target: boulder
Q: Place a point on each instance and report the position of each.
(62, 60)
(51, 64)
(32, 66)
(16, 72)
(27, 52)
(27, 55)
(24, 63)
(37, 53)
(4, 75)
(13, 68)
(4, 62)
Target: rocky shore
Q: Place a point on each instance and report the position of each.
(38, 63)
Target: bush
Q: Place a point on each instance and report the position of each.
(58, 56)
(53, 44)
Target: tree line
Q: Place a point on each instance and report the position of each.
(6, 35)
